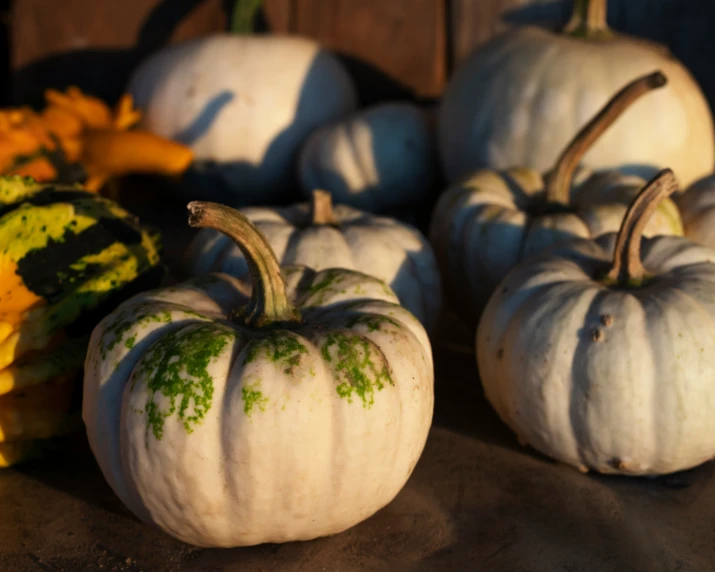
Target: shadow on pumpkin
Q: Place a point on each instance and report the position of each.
(415, 211)
(273, 180)
(105, 72)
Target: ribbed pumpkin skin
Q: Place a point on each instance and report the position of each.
(67, 257)
(613, 379)
(697, 206)
(487, 224)
(379, 246)
(268, 435)
(378, 159)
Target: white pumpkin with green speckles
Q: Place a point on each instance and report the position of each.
(320, 235)
(297, 417)
(611, 370)
(484, 226)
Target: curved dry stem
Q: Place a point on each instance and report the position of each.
(589, 20)
(269, 302)
(627, 268)
(558, 180)
(321, 208)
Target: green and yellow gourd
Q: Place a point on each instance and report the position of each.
(67, 257)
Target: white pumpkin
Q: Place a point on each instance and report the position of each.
(379, 159)
(244, 104)
(230, 420)
(492, 220)
(321, 236)
(610, 370)
(518, 100)
(697, 207)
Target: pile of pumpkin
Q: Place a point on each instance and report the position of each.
(285, 390)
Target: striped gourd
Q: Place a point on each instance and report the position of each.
(67, 257)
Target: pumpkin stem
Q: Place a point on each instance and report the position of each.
(321, 208)
(627, 268)
(588, 20)
(558, 180)
(269, 302)
(243, 15)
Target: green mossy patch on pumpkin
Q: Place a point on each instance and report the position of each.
(176, 367)
(134, 318)
(126, 321)
(252, 397)
(328, 284)
(281, 347)
(358, 365)
(387, 289)
(374, 322)
(129, 344)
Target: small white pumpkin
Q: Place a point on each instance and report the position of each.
(608, 369)
(229, 420)
(379, 159)
(518, 99)
(321, 236)
(697, 207)
(244, 104)
(484, 226)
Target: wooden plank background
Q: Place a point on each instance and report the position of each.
(96, 43)
(397, 47)
(393, 48)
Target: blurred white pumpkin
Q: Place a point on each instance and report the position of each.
(520, 98)
(697, 207)
(378, 159)
(244, 104)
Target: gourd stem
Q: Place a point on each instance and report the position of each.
(321, 208)
(558, 181)
(588, 19)
(244, 15)
(269, 302)
(627, 268)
